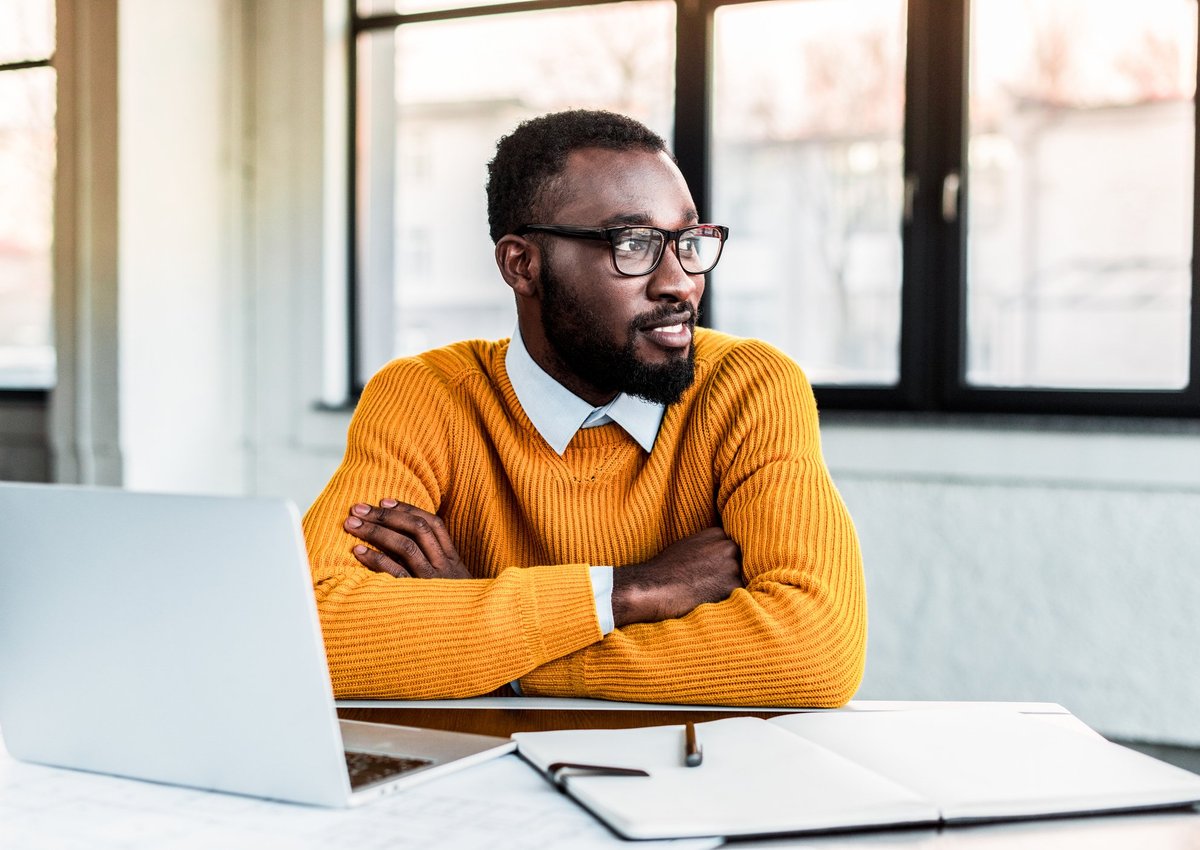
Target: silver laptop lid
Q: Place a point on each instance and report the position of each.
(171, 638)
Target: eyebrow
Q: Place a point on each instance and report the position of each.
(690, 216)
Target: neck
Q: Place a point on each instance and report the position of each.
(547, 358)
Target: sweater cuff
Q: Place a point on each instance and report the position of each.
(565, 677)
(558, 611)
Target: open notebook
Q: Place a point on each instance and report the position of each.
(834, 771)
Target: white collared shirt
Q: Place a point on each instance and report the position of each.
(558, 414)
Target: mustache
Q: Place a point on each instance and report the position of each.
(686, 314)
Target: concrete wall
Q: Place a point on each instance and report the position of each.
(1031, 563)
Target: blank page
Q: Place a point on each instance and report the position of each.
(755, 779)
(989, 765)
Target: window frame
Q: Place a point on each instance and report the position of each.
(933, 323)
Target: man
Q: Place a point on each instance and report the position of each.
(614, 503)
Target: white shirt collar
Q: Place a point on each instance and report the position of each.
(557, 413)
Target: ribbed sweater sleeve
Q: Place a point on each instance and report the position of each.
(417, 638)
(796, 635)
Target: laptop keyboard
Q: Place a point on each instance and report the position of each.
(369, 768)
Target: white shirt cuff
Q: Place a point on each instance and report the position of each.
(602, 588)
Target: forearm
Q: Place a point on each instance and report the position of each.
(796, 635)
(775, 643)
(435, 638)
(411, 638)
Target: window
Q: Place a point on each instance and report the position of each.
(427, 124)
(1080, 159)
(808, 160)
(935, 204)
(27, 97)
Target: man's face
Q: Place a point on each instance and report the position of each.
(608, 333)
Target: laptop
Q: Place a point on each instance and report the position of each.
(175, 638)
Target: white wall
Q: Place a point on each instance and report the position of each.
(84, 421)
(1032, 564)
(182, 333)
(295, 264)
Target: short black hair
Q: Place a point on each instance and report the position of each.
(530, 157)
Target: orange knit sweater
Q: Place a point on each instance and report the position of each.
(444, 431)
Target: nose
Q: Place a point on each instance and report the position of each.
(669, 282)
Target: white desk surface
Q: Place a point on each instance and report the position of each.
(500, 805)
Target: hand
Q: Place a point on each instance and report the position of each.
(409, 542)
(705, 567)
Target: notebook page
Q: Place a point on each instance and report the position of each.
(755, 779)
(987, 765)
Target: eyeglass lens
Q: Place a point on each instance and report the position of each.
(637, 250)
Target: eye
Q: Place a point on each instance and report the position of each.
(689, 245)
(636, 242)
(631, 243)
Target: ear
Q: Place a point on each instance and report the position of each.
(520, 264)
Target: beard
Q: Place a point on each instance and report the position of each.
(576, 334)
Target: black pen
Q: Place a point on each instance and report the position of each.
(693, 753)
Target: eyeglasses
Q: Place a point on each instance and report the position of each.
(637, 251)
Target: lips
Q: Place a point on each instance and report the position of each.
(673, 322)
(673, 331)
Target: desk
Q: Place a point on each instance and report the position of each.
(501, 805)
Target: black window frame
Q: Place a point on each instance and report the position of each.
(933, 332)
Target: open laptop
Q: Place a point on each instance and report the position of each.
(176, 639)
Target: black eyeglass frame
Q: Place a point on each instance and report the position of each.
(610, 234)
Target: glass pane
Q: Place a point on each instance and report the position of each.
(26, 30)
(807, 172)
(1080, 189)
(428, 126)
(27, 175)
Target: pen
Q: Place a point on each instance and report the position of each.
(693, 753)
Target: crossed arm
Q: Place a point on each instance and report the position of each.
(409, 542)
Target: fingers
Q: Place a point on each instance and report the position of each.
(403, 547)
(406, 537)
(433, 521)
(379, 562)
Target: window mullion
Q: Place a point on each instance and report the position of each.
(948, 87)
(1192, 391)
(693, 82)
(932, 318)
